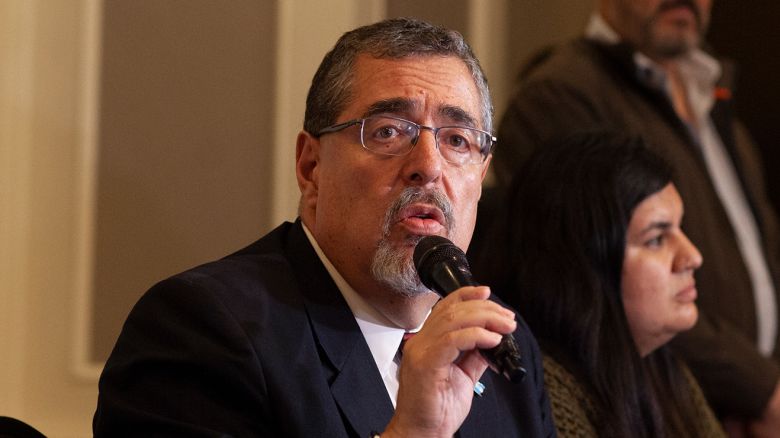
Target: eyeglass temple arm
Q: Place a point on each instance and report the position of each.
(339, 127)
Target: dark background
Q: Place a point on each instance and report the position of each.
(748, 33)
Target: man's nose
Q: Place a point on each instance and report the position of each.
(424, 163)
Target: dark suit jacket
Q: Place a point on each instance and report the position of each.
(584, 85)
(262, 343)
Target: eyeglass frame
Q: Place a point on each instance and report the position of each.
(485, 152)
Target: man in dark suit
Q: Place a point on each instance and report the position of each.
(297, 334)
(641, 68)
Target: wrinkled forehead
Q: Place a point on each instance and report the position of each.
(409, 109)
(441, 86)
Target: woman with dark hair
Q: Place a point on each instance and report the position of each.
(596, 262)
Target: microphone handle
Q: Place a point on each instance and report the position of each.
(505, 357)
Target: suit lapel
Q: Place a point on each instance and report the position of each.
(372, 410)
(355, 382)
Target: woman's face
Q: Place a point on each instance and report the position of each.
(658, 288)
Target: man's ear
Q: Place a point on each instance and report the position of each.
(485, 167)
(307, 160)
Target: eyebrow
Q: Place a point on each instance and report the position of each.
(659, 225)
(405, 107)
(458, 115)
(395, 105)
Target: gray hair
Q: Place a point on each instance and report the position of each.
(396, 38)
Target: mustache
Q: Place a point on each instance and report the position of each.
(411, 195)
(690, 4)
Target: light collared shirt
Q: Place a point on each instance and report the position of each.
(700, 73)
(382, 336)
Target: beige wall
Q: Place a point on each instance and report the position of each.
(41, 59)
(183, 167)
(141, 137)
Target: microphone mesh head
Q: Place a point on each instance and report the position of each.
(432, 250)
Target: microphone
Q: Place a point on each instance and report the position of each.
(443, 267)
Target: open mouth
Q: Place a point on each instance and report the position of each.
(422, 219)
(423, 212)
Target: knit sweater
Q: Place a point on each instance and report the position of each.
(574, 408)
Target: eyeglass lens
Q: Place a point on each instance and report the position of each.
(390, 136)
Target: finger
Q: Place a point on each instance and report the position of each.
(454, 316)
(469, 293)
(453, 344)
(473, 338)
(473, 364)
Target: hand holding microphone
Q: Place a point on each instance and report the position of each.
(442, 365)
(443, 267)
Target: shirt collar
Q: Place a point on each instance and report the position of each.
(699, 70)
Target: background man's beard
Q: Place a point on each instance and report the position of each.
(393, 265)
(667, 45)
(671, 46)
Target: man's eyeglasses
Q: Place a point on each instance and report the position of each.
(393, 136)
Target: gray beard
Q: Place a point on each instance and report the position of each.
(670, 46)
(395, 269)
(393, 266)
(665, 47)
